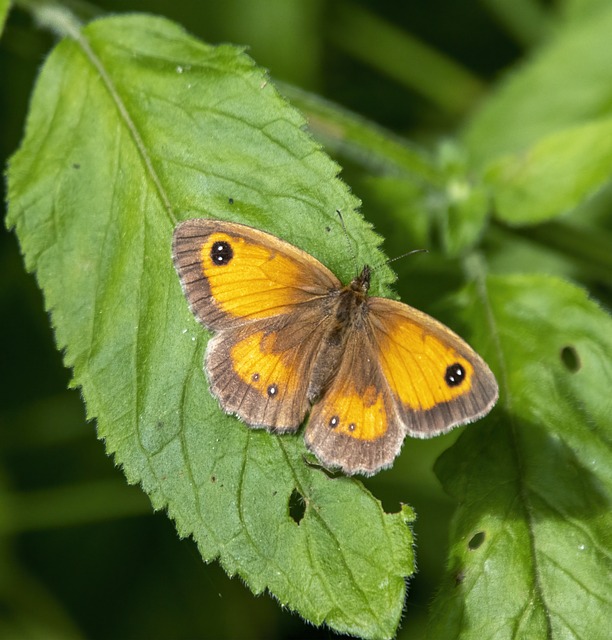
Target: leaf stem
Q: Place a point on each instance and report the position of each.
(60, 18)
(362, 141)
(590, 246)
(403, 57)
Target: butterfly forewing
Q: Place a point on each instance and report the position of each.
(232, 273)
(437, 380)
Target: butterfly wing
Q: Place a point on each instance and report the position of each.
(232, 273)
(356, 425)
(260, 371)
(267, 300)
(402, 373)
(436, 379)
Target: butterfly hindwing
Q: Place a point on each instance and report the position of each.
(260, 371)
(355, 425)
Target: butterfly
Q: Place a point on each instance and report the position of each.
(290, 341)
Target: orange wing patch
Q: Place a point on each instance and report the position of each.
(233, 274)
(256, 364)
(357, 415)
(256, 282)
(422, 370)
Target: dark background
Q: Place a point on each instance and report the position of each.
(81, 553)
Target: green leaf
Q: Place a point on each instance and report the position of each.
(4, 9)
(530, 552)
(135, 125)
(542, 139)
(462, 206)
(554, 175)
(564, 85)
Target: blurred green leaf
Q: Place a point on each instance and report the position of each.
(565, 84)
(528, 22)
(134, 125)
(4, 9)
(462, 206)
(554, 175)
(542, 139)
(530, 544)
(364, 142)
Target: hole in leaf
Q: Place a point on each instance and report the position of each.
(570, 358)
(297, 506)
(476, 541)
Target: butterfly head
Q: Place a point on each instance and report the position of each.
(361, 284)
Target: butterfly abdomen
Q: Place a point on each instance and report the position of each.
(347, 313)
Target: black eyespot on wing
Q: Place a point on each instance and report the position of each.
(455, 375)
(221, 253)
(272, 390)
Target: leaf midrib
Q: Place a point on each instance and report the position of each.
(128, 122)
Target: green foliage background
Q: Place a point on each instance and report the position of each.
(527, 551)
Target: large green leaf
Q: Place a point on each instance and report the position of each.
(554, 175)
(543, 138)
(531, 550)
(135, 125)
(563, 85)
(4, 9)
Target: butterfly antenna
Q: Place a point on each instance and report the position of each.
(348, 241)
(403, 255)
(408, 253)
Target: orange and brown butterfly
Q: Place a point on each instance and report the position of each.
(292, 340)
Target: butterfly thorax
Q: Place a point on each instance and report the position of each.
(361, 284)
(349, 310)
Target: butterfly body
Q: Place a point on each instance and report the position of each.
(291, 339)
